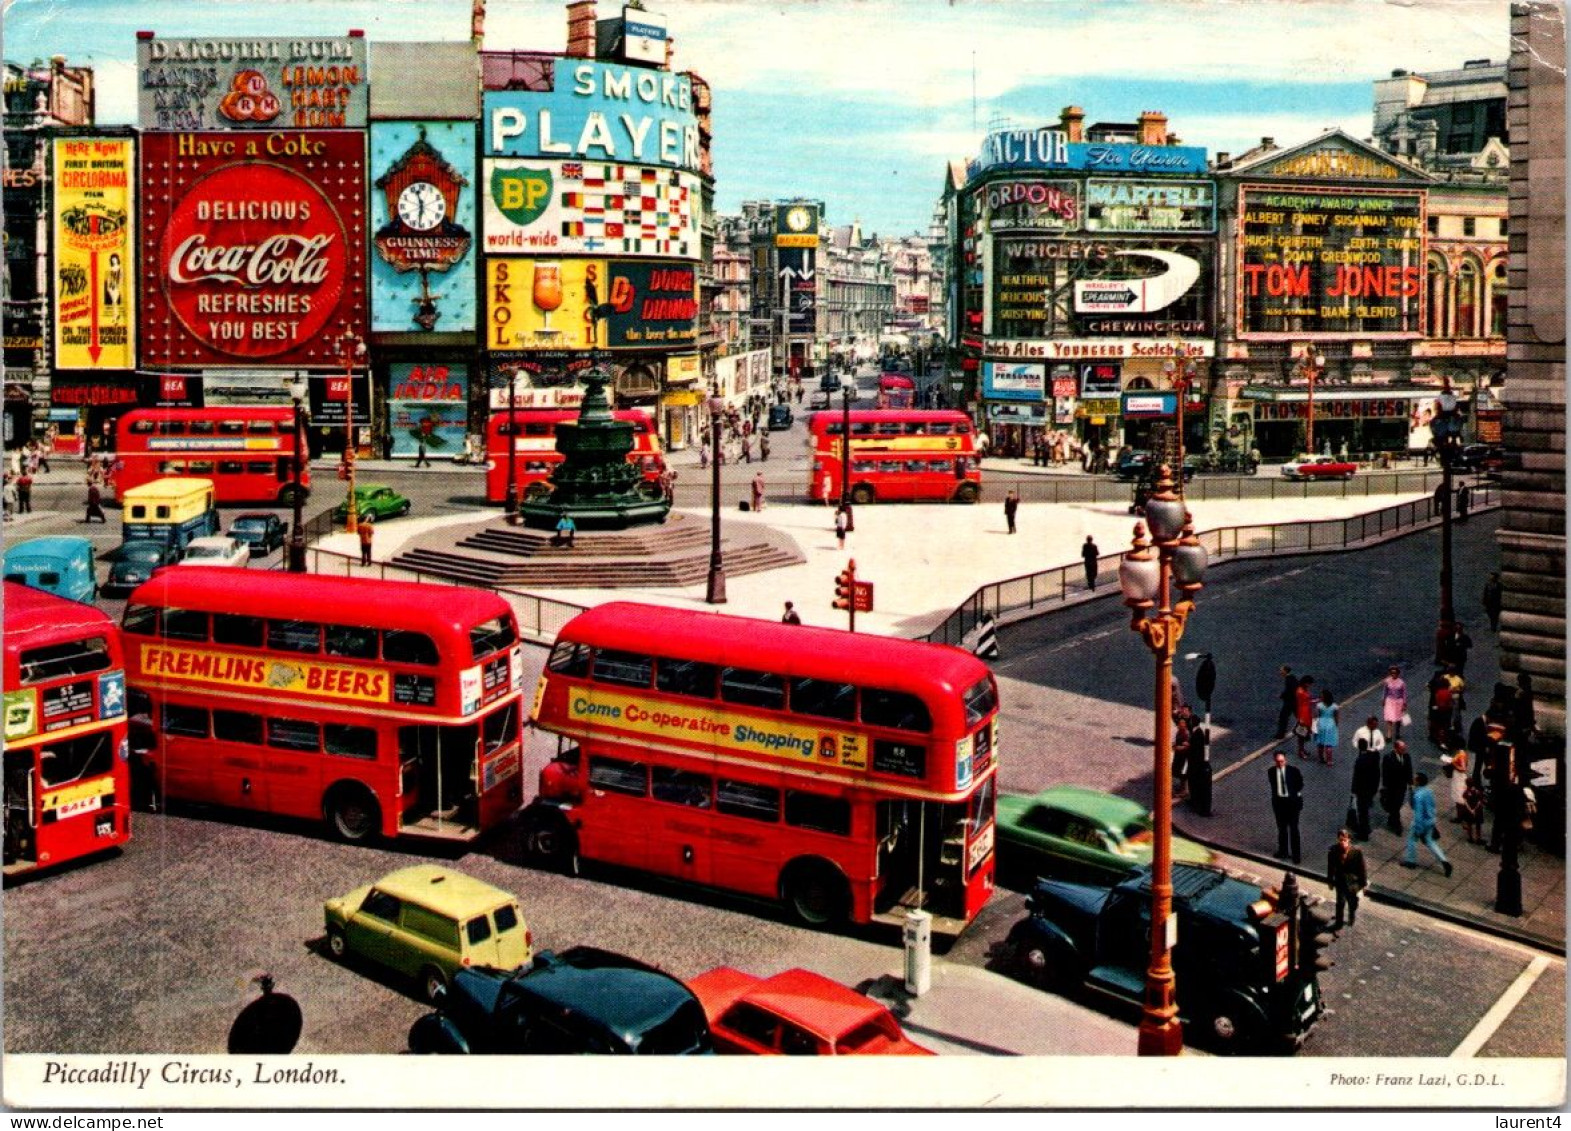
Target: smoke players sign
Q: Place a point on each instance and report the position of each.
(261, 255)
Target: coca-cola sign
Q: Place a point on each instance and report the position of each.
(261, 257)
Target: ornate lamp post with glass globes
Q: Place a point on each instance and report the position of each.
(715, 593)
(297, 395)
(1312, 366)
(1147, 579)
(351, 350)
(1446, 428)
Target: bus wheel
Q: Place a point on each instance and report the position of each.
(537, 492)
(549, 844)
(816, 894)
(352, 813)
(861, 494)
(967, 493)
(286, 496)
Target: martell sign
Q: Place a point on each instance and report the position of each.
(261, 257)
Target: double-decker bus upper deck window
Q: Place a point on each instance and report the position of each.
(861, 428)
(625, 669)
(294, 734)
(826, 699)
(817, 812)
(259, 427)
(231, 428)
(140, 620)
(72, 657)
(500, 728)
(617, 775)
(686, 677)
(171, 428)
(568, 658)
(401, 646)
(238, 726)
(895, 709)
(680, 787)
(744, 799)
(87, 756)
(202, 427)
(141, 427)
(832, 428)
(492, 636)
(752, 688)
(294, 635)
(184, 624)
(349, 641)
(981, 700)
(236, 628)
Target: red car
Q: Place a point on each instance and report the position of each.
(1319, 467)
(796, 1013)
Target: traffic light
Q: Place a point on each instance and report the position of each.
(845, 587)
(1314, 934)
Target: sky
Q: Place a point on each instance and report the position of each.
(861, 103)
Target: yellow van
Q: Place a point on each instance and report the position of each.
(172, 510)
(428, 922)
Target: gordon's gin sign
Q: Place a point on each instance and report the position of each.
(260, 258)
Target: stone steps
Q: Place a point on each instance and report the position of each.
(519, 542)
(561, 569)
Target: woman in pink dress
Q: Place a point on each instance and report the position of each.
(1395, 703)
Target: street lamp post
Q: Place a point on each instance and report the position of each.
(1178, 372)
(1446, 428)
(351, 348)
(845, 451)
(1147, 583)
(297, 394)
(1311, 367)
(511, 432)
(716, 589)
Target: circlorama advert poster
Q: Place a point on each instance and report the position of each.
(910, 552)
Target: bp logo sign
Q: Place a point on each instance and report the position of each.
(522, 195)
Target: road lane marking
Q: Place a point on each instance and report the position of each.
(1502, 1009)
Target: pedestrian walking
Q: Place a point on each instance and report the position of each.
(1396, 771)
(747, 447)
(1472, 813)
(1423, 829)
(1185, 727)
(367, 532)
(1304, 714)
(1348, 876)
(1092, 559)
(1464, 500)
(421, 460)
(1394, 707)
(1366, 783)
(95, 504)
(840, 527)
(47, 447)
(763, 446)
(1492, 600)
(1370, 734)
(1327, 715)
(825, 489)
(9, 497)
(758, 491)
(1456, 649)
(1454, 765)
(24, 492)
(1287, 801)
(1011, 505)
(1441, 501)
(703, 455)
(1524, 716)
(791, 616)
(1289, 701)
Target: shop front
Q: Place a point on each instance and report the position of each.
(1363, 423)
(680, 425)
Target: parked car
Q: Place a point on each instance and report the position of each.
(261, 531)
(1319, 467)
(780, 417)
(1068, 832)
(829, 383)
(59, 565)
(1236, 985)
(374, 502)
(1137, 463)
(134, 563)
(1480, 457)
(818, 399)
(796, 1013)
(216, 550)
(583, 1000)
(429, 923)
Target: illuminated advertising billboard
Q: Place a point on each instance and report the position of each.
(1052, 149)
(1087, 287)
(94, 253)
(1330, 262)
(654, 305)
(318, 82)
(1022, 205)
(422, 225)
(1150, 206)
(430, 403)
(256, 247)
(1012, 381)
(590, 207)
(543, 304)
(598, 112)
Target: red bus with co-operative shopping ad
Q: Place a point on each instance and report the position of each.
(849, 777)
(379, 707)
(904, 454)
(533, 432)
(248, 452)
(66, 769)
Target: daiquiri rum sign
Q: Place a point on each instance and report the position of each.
(260, 254)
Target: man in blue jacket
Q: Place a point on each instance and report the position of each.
(1422, 829)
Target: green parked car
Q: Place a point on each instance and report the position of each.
(373, 502)
(1068, 832)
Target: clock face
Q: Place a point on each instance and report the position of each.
(422, 206)
(799, 219)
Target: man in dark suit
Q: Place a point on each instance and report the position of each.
(1287, 801)
(1366, 783)
(1289, 697)
(1396, 772)
(1347, 875)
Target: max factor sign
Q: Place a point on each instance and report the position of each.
(198, 84)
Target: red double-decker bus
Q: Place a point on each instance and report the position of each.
(896, 390)
(66, 771)
(533, 432)
(379, 707)
(850, 777)
(248, 452)
(896, 454)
